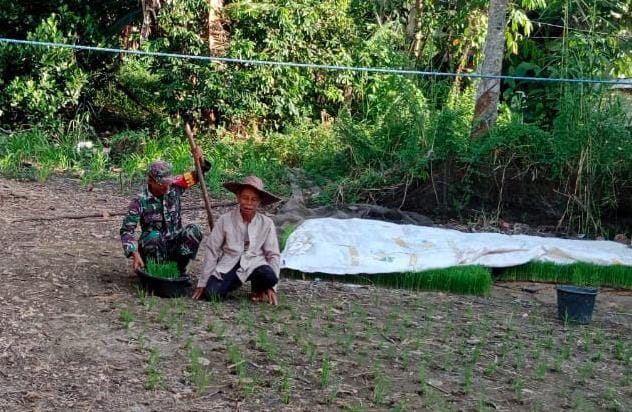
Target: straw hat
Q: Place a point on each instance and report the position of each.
(255, 183)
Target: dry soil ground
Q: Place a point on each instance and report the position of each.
(77, 334)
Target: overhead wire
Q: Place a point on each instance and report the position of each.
(386, 70)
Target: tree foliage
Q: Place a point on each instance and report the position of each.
(363, 136)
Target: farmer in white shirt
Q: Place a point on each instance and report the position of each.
(242, 247)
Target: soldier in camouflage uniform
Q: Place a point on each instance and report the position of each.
(158, 210)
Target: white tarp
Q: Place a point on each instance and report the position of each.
(351, 246)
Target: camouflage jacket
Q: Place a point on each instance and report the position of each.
(157, 213)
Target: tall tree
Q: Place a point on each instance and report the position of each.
(488, 90)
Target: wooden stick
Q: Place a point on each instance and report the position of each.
(200, 176)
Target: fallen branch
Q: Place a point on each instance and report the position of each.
(106, 214)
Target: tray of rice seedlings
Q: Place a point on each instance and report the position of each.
(578, 274)
(466, 280)
(164, 279)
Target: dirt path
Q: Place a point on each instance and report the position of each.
(75, 333)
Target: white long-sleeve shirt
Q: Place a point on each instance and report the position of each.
(226, 246)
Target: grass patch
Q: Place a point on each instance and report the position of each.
(579, 274)
(466, 280)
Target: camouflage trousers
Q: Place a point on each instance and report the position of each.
(180, 249)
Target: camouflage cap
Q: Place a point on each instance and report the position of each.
(160, 171)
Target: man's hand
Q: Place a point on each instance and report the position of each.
(197, 293)
(268, 295)
(137, 261)
(197, 153)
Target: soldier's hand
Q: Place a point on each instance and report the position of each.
(197, 153)
(197, 293)
(137, 261)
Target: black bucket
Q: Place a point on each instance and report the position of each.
(165, 288)
(575, 304)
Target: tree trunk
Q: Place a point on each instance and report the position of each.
(413, 28)
(488, 90)
(150, 11)
(217, 36)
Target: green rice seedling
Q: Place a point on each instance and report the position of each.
(325, 372)
(380, 386)
(310, 350)
(468, 280)
(518, 385)
(446, 360)
(141, 293)
(406, 358)
(619, 350)
(556, 366)
(400, 406)
(467, 379)
(490, 369)
(536, 353)
(585, 372)
(580, 274)
(265, 345)
(627, 378)
(215, 304)
(154, 375)
(163, 315)
(599, 337)
(163, 270)
(141, 340)
(520, 358)
(285, 386)
(597, 355)
(540, 371)
(448, 330)
(476, 353)
(200, 374)
(217, 327)
(422, 376)
(234, 356)
(567, 350)
(482, 404)
(580, 403)
(152, 301)
(334, 390)
(355, 407)
(126, 317)
(179, 327)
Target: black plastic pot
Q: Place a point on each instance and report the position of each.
(165, 288)
(575, 304)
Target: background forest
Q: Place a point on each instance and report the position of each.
(558, 153)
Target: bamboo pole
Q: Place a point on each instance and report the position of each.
(200, 175)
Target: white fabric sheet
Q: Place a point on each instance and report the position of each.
(351, 246)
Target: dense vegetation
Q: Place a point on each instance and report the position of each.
(559, 151)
